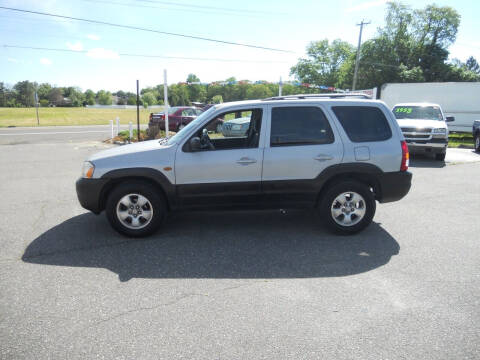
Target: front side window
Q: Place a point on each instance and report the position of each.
(305, 125)
(231, 130)
(418, 112)
(363, 123)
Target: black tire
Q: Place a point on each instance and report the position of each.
(477, 142)
(440, 156)
(154, 196)
(331, 194)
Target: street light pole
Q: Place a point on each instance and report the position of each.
(357, 60)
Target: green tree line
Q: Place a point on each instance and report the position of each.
(411, 47)
(22, 93)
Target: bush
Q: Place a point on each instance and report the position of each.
(43, 103)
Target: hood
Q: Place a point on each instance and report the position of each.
(128, 149)
(421, 123)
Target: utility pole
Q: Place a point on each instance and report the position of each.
(357, 60)
(280, 86)
(36, 107)
(165, 100)
(138, 113)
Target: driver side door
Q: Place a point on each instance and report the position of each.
(228, 175)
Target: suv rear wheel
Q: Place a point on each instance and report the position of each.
(135, 209)
(440, 156)
(347, 207)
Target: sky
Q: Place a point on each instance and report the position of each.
(95, 61)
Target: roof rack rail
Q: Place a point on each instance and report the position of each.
(310, 96)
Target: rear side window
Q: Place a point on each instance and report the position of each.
(363, 123)
(299, 126)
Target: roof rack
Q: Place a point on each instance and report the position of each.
(312, 96)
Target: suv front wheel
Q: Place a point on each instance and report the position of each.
(347, 207)
(135, 209)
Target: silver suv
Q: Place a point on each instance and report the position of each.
(335, 153)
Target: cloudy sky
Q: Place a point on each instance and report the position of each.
(98, 59)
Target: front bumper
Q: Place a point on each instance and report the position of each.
(89, 193)
(432, 145)
(394, 185)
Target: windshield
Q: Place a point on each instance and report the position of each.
(179, 135)
(418, 112)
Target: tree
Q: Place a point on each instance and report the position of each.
(75, 96)
(104, 97)
(412, 46)
(196, 92)
(259, 91)
(149, 98)
(178, 95)
(25, 91)
(3, 95)
(323, 63)
(89, 97)
(132, 99)
(56, 96)
(43, 91)
(472, 65)
(191, 78)
(217, 99)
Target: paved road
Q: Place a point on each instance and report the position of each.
(56, 134)
(242, 285)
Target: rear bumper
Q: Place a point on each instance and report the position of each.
(394, 185)
(89, 193)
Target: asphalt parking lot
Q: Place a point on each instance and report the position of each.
(242, 285)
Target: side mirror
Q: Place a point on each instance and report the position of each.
(195, 144)
(450, 118)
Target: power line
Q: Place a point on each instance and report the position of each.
(144, 29)
(185, 8)
(205, 7)
(143, 55)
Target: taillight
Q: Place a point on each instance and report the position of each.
(162, 116)
(405, 156)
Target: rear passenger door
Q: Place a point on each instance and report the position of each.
(300, 144)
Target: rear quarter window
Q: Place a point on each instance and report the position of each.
(363, 123)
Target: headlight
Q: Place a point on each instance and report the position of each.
(87, 169)
(440, 131)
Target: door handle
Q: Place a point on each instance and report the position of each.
(323, 157)
(246, 161)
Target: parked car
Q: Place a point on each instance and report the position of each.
(424, 127)
(337, 154)
(476, 134)
(178, 117)
(236, 127)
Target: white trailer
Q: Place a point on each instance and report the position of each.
(459, 99)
